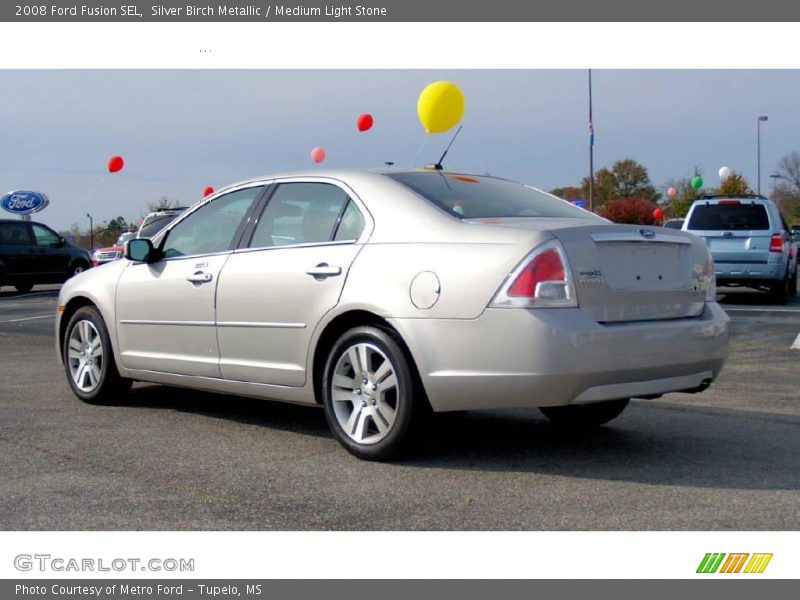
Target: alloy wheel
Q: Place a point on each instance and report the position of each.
(85, 356)
(365, 393)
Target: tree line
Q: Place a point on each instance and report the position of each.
(624, 193)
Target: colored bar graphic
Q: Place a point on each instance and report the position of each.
(758, 563)
(710, 562)
(733, 564)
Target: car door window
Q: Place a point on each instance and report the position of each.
(213, 227)
(351, 225)
(300, 213)
(15, 233)
(45, 236)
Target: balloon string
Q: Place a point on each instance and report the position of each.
(422, 145)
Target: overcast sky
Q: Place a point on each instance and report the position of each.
(180, 131)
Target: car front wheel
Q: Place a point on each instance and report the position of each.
(368, 393)
(89, 360)
(77, 269)
(585, 415)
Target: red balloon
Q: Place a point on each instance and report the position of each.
(365, 122)
(115, 164)
(658, 213)
(208, 191)
(318, 154)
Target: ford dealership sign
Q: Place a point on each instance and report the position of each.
(24, 202)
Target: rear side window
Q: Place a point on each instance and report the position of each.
(300, 213)
(729, 216)
(351, 225)
(478, 197)
(15, 233)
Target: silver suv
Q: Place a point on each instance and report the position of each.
(750, 242)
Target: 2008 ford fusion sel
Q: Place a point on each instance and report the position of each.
(382, 295)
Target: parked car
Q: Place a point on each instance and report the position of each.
(750, 242)
(382, 295)
(674, 224)
(151, 224)
(31, 253)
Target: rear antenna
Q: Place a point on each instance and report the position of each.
(438, 165)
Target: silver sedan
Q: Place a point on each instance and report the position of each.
(386, 295)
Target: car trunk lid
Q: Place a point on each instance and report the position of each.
(626, 273)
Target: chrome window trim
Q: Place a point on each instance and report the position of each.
(285, 246)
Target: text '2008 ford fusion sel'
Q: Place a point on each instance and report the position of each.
(382, 295)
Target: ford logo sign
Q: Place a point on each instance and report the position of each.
(24, 202)
(647, 234)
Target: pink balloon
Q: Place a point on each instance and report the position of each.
(318, 154)
(671, 192)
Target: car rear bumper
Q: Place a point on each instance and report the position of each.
(522, 358)
(742, 271)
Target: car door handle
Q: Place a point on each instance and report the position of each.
(200, 277)
(323, 271)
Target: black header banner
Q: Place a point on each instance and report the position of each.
(401, 11)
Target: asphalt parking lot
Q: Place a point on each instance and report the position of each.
(170, 459)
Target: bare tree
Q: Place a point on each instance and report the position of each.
(789, 171)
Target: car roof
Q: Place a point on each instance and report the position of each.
(349, 174)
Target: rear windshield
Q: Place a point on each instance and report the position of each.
(729, 216)
(477, 197)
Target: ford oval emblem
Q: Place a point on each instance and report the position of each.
(24, 202)
(647, 234)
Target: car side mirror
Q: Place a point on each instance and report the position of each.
(141, 250)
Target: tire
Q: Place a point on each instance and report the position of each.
(369, 394)
(779, 290)
(77, 268)
(584, 416)
(89, 359)
(23, 288)
(793, 285)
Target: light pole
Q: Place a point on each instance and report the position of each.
(758, 125)
(91, 232)
(775, 177)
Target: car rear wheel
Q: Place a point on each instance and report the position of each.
(368, 394)
(793, 285)
(779, 290)
(89, 360)
(585, 415)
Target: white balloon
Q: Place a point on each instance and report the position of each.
(724, 173)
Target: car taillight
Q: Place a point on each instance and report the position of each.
(776, 243)
(542, 279)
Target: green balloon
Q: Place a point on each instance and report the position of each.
(697, 182)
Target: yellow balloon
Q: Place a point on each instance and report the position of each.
(440, 106)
